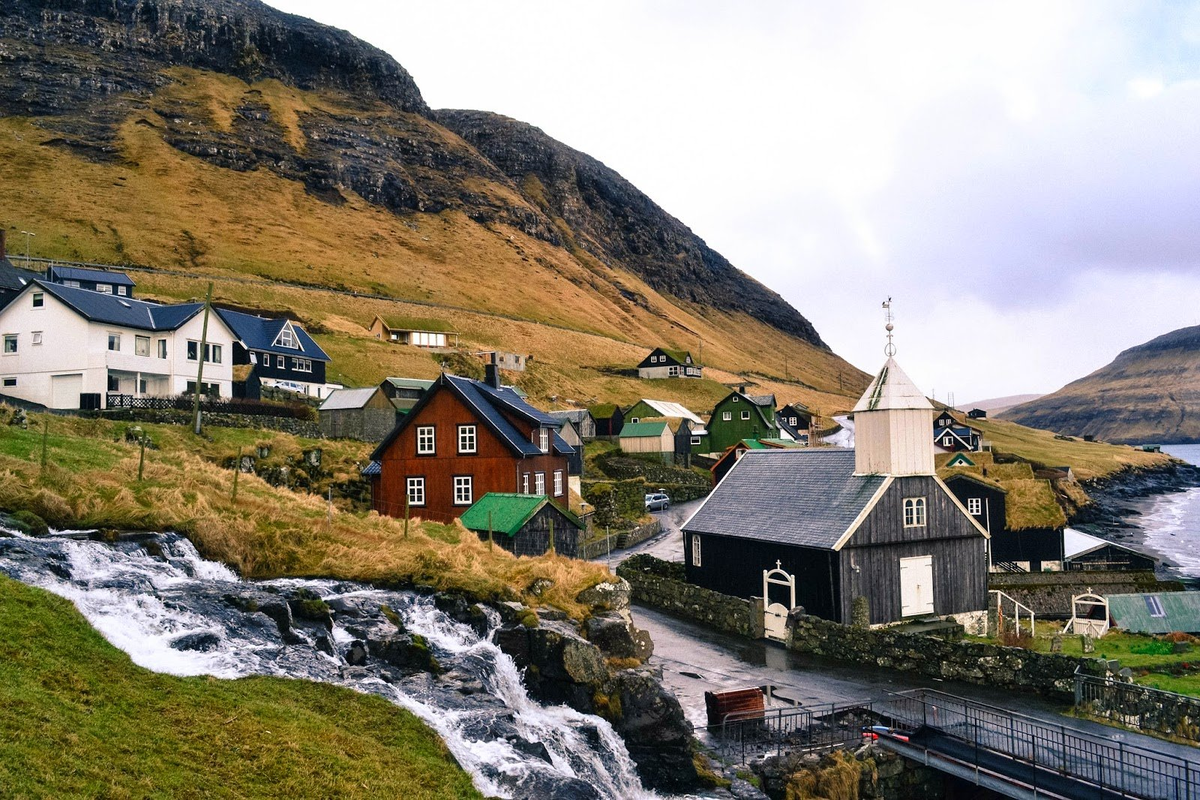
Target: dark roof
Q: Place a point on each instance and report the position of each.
(807, 498)
(574, 415)
(125, 311)
(767, 400)
(259, 334)
(783, 424)
(10, 277)
(91, 275)
(374, 468)
(488, 404)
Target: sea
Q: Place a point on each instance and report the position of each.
(1170, 523)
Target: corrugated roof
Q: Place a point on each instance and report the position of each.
(666, 408)
(124, 311)
(93, 275)
(1140, 613)
(259, 333)
(575, 415)
(641, 430)
(344, 399)
(508, 513)
(892, 389)
(802, 497)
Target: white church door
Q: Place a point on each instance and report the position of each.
(916, 586)
(774, 612)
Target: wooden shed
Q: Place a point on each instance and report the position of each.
(522, 523)
(653, 438)
(609, 420)
(364, 414)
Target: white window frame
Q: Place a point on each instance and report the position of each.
(415, 491)
(39, 299)
(464, 490)
(114, 336)
(914, 512)
(468, 440)
(947, 441)
(974, 506)
(141, 346)
(104, 288)
(726, 416)
(558, 483)
(11, 344)
(123, 291)
(302, 364)
(524, 483)
(695, 550)
(37, 338)
(267, 359)
(214, 350)
(426, 440)
(745, 416)
(695, 440)
(162, 348)
(539, 483)
(287, 338)
(72, 284)
(672, 372)
(544, 441)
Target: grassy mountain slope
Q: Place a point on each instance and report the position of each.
(190, 136)
(81, 720)
(1149, 393)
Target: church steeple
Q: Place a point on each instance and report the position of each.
(893, 422)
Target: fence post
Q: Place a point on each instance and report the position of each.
(329, 513)
(551, 536)
(45, 437)
(490, 540)
(237, 468)
(142, 457)
(406, 506)
(200, 359)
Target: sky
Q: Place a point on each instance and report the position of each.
(1022, 179)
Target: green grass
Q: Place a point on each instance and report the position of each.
(1137, 651)
(1180, 684)
(1087, 459)
(79, 719)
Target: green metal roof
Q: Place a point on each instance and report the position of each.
(508, 513)
(754, 444)
(1134, 612)
(409, 383)
(641, 430)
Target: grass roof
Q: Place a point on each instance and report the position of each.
(679, 355)
(946, 473)
(603, 411)
(416, 324)
(1031, 503)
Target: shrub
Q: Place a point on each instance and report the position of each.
(1154, 648)
(30, 523)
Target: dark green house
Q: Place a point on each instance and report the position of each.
(522, 523)
(741, 416)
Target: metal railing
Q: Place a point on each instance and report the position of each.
(749, 735)
(1043, 756)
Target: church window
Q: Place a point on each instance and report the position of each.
(695, 550)
(914, 512)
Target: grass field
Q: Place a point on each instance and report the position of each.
(91, 481)
(79, 719)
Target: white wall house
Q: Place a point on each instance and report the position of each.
(59, 342)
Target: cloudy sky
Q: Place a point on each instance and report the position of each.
(1023, 179)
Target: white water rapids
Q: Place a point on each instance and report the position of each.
(174, 614)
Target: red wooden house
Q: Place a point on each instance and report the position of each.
(466, 438)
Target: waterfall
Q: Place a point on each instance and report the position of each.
(180, 614)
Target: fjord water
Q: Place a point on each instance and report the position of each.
(173, 613)
(1171, 522)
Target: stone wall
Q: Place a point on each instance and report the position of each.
(970, 662)
(659, 584)
(297, 427)
(1139, 707)
(619, 541)
(1050, 592)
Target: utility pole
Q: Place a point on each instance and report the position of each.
(200, 358)
(27, 236)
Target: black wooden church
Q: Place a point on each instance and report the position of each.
(873, 522)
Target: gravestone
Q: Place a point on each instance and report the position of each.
(1089, 644)
(1056, 643)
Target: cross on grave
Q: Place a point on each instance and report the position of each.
(778, 564)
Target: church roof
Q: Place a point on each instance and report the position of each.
(892, 389)
(803, 497)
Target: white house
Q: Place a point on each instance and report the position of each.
(60, 342)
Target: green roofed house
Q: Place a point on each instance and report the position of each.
(653, 438)
(413, 331)
(663, 363)
(1166, 612)
(521, 524)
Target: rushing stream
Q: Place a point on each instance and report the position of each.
(177, 613)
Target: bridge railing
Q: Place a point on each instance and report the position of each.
(746, 736)
(1048, 749)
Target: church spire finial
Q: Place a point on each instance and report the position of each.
(889, 349)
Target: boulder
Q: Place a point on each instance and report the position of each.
(616, 636)
(655, 730)
(200, 641)
(607, 596)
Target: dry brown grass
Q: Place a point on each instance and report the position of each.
(272, 532)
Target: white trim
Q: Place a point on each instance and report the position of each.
(422, 450)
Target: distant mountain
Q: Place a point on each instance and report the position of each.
(1149, 393)
(998, 405)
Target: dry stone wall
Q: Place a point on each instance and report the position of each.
(660, 584)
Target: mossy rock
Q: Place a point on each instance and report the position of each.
(528, 618)
(30, 523)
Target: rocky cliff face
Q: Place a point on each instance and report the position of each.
(1149, 393)
(84, 68)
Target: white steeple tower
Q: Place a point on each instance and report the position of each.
(893, 422)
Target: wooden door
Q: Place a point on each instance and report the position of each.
(916, 586)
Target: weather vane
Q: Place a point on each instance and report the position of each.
(890, 349)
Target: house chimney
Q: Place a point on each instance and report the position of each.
(492, 373)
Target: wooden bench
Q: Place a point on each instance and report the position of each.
(744, 703)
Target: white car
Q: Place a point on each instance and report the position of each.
(658, 501)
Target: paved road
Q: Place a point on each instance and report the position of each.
(695, 659)
(667, 545)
